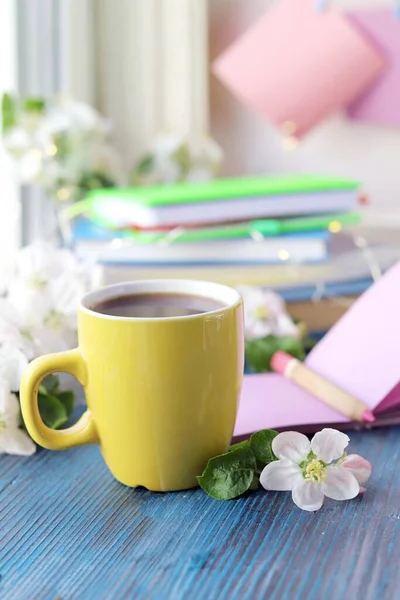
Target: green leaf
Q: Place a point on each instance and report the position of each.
(183, 158)
(308, 343)
(67, 398)
(142, 168)
(260, 351)
(261, 445)
(64, 149)
(255, 483)
(94, 181)
(51, 383)
(35, 105)
(52, 411)
(55, 406)
(145, 164)
(229, 475)
(245, 444)
(8, 112)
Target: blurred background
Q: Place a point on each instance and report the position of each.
(338, 146)
(111, 93)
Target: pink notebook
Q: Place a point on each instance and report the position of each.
(297, 66)
(361, 354)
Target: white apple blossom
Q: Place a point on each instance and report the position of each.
(207, 157)
(13, 440)
(39, 263)
(66, 116)
(309, 471)
(42, 323)
(39, 315)
(22, 146)
(15, 329)
(17, 141)
(265, 314)
(360, 468)
(166, 168)
(56, 330)
(62, 146)
(175, 157)
(13, 363)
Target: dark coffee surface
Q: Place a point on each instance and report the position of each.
(152, 306)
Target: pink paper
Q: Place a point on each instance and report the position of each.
(297, 65)
(380, 102)
(361, 354)
(270, 401)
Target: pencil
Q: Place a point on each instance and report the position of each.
(321, 388)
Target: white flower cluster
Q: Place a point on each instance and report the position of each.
(61, 147)
(265, 314)
(37, 316)
(176, 158)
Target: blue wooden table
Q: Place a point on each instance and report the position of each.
(70, 531)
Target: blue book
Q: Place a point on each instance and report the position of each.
(298, 248)
(352, 287)
(86, 230)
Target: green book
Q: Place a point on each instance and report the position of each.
(264, 227)
(218, 201)
(225, 189)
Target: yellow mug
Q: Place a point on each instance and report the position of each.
(162, 393)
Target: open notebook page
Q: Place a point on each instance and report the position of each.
(360, 354)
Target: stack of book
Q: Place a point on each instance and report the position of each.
(231, 230)
(284, 233)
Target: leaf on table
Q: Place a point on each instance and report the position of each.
(255, 483)
(245, 444)
(229, 475)
(260, 351)
(261, 445)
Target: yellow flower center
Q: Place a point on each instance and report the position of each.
(36, 282)
(261, 312)
(315, 471)
(3, 423)
(54, 320)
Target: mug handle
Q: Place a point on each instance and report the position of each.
(84, 431)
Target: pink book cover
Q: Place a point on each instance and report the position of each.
(298, 66)
(360, 354)
(380, 102)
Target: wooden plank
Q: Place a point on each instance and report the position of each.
(68, 530)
